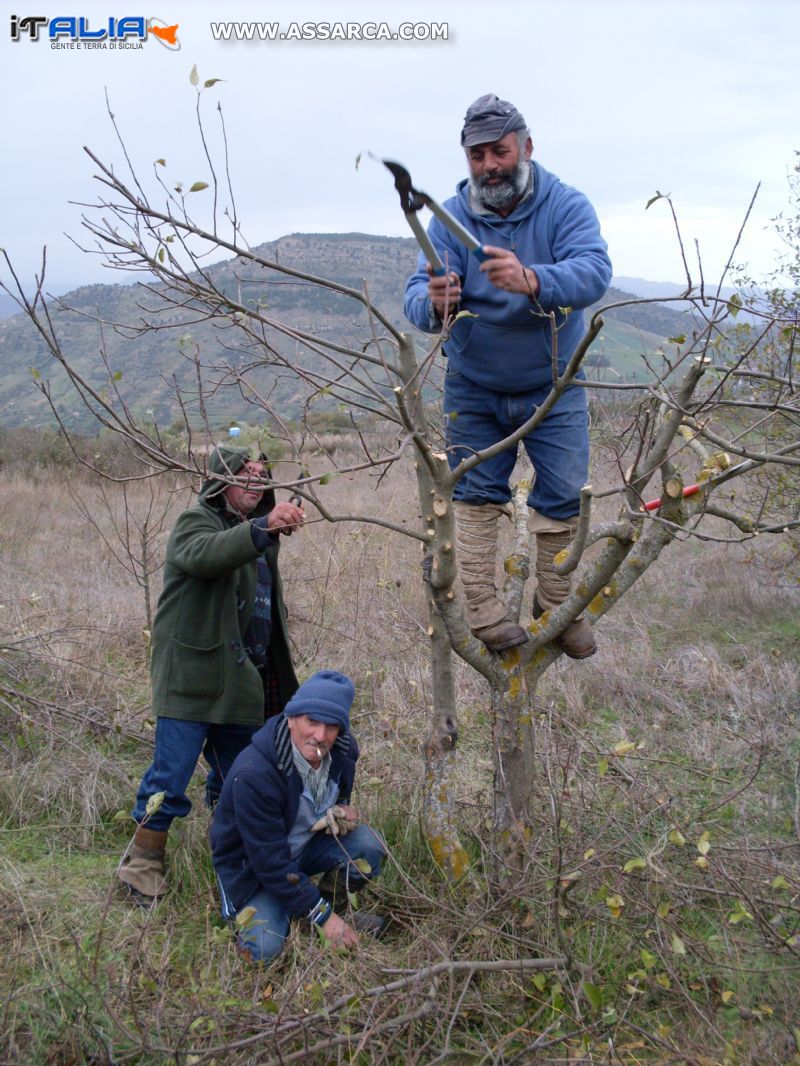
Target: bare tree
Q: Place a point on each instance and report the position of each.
(696, 456)
(135, 531)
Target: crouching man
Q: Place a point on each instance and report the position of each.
(284, 815)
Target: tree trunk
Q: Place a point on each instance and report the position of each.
(436, 512)
(514, 746)
(438, 811)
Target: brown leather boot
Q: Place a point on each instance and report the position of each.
(142, 868)
(577, 640)
(333, 887)
(476, 535)
(501, 636)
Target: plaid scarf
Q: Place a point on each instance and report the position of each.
(315, 782)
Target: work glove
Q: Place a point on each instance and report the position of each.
(335, 822)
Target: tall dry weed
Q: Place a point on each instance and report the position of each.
(697, 671)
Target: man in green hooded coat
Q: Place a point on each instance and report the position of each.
(220, 662)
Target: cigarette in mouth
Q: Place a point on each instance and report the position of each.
(320, 751)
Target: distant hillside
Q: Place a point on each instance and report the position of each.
(658, 289)
(150, 362)
(7, 306)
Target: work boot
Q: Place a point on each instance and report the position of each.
(142, 868)
(552, 536)
(333, 887)
(476, 535)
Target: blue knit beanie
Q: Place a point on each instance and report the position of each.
(327, 696)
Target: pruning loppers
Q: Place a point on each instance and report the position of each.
(411, 200)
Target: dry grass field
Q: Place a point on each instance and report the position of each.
(666, 851)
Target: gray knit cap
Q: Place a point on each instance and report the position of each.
(488, 119)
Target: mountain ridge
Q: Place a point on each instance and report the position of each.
(147, 363)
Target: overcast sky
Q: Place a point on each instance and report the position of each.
(700, 99)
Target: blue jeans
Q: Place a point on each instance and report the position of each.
(558, 448)
(267, 930)
(178, 746)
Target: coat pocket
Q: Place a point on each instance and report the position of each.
(195, 671)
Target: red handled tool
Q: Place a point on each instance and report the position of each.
(653, 505)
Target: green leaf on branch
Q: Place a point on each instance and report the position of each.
(615, 903)
(210, 82)
(154, 802)
(680, 339)
(592, 993)
(198, 186)
(678, 946)
(634, 864)
(740, 914)
(326, 478)
(734, 305)
(648, 959)
(653, 199)
(194, 77)
(245, 917)
(161, 162)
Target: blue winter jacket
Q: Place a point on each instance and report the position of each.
(508, 346)
(256, 811)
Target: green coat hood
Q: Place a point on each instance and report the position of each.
(225, 461)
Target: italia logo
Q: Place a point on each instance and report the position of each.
(131, 28)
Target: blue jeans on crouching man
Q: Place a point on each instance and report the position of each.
(558, 448)
(264, 935)
(178, 746)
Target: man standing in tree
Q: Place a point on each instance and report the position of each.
(544, 256)
(220, 652)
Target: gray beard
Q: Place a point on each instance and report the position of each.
(507, 193)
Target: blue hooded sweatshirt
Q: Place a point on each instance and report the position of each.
(508, 346)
